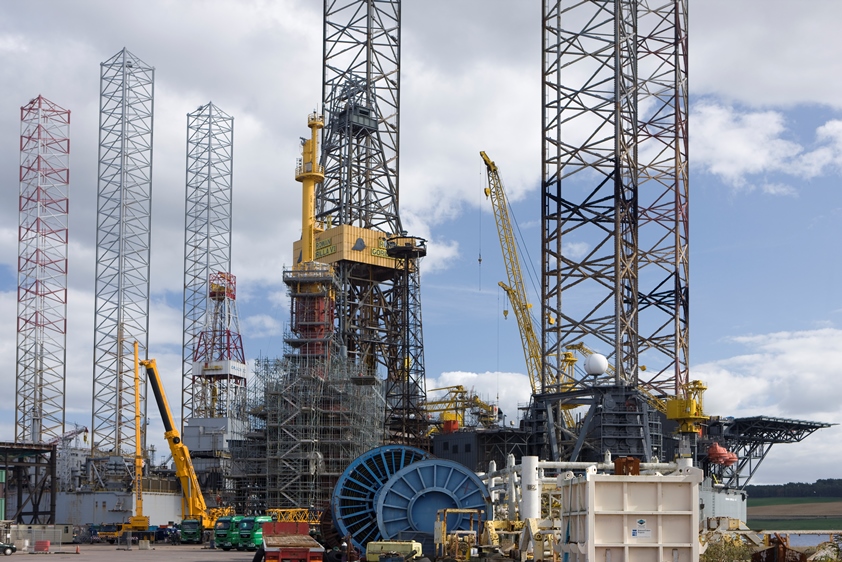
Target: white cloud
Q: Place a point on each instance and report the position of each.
(734, 145)
(575, 250)
(779, 374)
(762, 52)
(13, 44)
(787, 375)
(260, 326)
(744, 146)
(778, 189)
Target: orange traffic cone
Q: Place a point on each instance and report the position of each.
(77, 549)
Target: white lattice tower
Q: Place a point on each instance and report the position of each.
(124, 205)
(207, 248)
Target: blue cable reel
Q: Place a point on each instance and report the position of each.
(353, 501)
(408, 503)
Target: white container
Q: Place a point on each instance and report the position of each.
(608, 518)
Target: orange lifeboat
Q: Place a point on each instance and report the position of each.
(718, 454)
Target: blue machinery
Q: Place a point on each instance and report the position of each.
(393, 493)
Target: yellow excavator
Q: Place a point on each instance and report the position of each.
(195, 514)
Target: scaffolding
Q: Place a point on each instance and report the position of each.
(322, 411)
(248, 454)
(320, 417)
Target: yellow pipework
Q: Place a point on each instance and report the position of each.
(309, 173)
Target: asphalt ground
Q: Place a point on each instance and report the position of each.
(161, 552)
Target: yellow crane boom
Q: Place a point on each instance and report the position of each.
(515, 289)
(193, 504)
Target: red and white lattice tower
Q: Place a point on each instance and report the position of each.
(219, 363)
(42, 272)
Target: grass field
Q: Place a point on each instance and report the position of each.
(820, 524)
(795, 514)
(759, 502)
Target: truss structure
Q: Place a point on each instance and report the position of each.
(615, 187)
(751, 439)
(361, 92)
(663, 196)
(31, 486)
(124, 202)
(361, 95)
(218, 381)
(207, 247)
(406, 420)
(590, 211)
(42, 272)
(615, 244)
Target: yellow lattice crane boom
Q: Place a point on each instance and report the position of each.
(515, 288)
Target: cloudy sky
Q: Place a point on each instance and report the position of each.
(765, 152)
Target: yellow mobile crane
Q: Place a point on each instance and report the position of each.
(193, 506)
(138, 524)
(517, 292)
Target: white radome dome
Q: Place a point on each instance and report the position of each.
(596, 364)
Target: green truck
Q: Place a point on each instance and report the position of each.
(191, 531)
(227, 532)
(251, 531)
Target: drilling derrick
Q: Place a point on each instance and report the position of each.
(378, 295)
(219, 363)
(124, 204)
(319, 406)
(218, 384)
(42, 272)
(614, 219)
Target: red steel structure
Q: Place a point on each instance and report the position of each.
(219, 363)
(42, 272)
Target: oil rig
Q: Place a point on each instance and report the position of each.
(283, 434)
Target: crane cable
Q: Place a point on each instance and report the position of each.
(479, 258)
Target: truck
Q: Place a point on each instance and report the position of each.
(191, 531)
(121, 531)
(195, 513)
(251, 531)
(227, 532)
(290, 542)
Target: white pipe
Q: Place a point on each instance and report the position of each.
(511, 480)
(530, 488)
